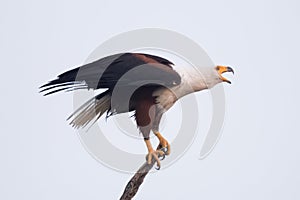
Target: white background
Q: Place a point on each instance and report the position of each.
(258, 154)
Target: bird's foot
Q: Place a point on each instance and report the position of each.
(156, 155)
(164, 146)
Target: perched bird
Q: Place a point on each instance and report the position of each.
(147, 84)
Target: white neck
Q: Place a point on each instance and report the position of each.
(192, 80)
(196, 79)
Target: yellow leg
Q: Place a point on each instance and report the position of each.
(153, 154)
(163, 143)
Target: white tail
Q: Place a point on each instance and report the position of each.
(92, 109)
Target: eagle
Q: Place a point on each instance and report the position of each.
(148, 85)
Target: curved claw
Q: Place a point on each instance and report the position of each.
(154, 155)
(163, 145)
(164, 149)
(163, 157)
(157, 168)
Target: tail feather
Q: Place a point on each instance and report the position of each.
(92, 109)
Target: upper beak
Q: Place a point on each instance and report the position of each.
(223, 69)
(229, 69)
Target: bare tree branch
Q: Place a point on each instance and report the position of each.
(136, 181)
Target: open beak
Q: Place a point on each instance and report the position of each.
(223, 69)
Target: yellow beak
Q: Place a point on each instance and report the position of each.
(223, 69)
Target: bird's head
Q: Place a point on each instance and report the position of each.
(222, 69)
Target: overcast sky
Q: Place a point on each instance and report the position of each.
(258, 154)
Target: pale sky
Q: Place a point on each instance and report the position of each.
(257, 156)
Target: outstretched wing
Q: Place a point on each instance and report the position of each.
(128, 69)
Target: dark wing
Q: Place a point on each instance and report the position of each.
(128, 69)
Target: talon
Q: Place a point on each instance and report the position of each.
(163, 157)
(155, 155)
(163, 144)
(164, 149)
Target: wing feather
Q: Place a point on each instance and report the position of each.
(123, 69)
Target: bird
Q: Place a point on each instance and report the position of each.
(149, 85)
